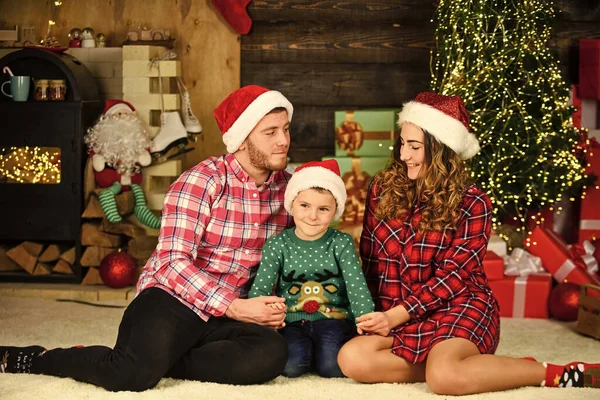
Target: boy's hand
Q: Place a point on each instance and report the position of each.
(277, 306)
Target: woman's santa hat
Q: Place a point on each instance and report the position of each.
(445, 117)
(317, 174)
(239, 113)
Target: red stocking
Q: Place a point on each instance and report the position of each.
(234, 12)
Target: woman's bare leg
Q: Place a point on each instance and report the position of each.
(369, 359)
(456, 367)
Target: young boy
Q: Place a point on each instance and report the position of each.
(315, 268)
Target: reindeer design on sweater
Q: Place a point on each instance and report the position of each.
(312, 298)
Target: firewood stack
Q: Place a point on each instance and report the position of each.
(100, 237)
(38, 259)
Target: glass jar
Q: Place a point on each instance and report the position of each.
(58, 90)
(41, 90)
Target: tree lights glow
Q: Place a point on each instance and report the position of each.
(495, 55)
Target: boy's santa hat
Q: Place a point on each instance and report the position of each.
(239, 113)
(321, 174)
(445, 117)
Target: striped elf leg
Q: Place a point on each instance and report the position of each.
(141, 210)
(109, 204)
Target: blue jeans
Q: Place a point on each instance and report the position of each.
(316, 343)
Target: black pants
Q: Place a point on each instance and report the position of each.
(160, 337)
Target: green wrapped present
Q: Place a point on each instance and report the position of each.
(365, 133)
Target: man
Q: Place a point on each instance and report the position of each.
(190, 319)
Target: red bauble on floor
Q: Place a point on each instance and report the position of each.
(563, 302)
(117, 270)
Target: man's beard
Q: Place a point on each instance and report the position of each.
(260, 160)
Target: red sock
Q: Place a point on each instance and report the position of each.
(234, 12)
(574, 374)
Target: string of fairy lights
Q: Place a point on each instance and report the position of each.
(30, 165)
(37, 165)
(495, 55)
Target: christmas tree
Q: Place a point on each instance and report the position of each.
(495, 55)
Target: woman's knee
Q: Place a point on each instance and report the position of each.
(352, 361)
(446, 379)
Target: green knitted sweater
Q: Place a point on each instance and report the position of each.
(319, 279)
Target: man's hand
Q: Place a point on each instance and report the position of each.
(264, 310)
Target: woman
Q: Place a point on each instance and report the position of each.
(425, 234)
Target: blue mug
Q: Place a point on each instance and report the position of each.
(19, 88)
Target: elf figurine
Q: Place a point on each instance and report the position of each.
(118, 145)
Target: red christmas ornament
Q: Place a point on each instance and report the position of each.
(117, 270)
(310, 306)
(563, 302)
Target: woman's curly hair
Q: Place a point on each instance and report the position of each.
(443, 179)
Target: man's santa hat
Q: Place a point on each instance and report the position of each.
(445, 117)
(239, 113)
(317, 174)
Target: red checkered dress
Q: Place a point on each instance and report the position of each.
(214, 224)
(439, 280)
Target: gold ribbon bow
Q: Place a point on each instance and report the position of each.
(357, 184)
(349, 135)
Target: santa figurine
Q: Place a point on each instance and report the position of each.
(119, 146)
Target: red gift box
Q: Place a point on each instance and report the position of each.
(556, 258)
(493, 266)
(523, 296)
(589, 69)
(589, 224)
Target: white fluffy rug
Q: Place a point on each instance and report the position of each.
(26, 321)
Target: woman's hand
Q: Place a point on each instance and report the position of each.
(381, 323)
(375, 322)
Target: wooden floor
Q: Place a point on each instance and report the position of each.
(91, 293)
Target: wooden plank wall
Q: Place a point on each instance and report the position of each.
(332, 55)
(208, 48)
(336, 55)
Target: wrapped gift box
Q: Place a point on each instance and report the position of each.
(556, 258)
(589, 69)
(523, 296)
(365, 133)
(589, 223)
(357, 173)
(497, 245)
(493, 266)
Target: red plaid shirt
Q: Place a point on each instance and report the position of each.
(214, 224)
(438, 278)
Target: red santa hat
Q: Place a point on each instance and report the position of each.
(445, 117)
(117, 106)
(322, 174)
(239, 113)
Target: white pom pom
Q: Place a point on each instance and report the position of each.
(144, 159)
